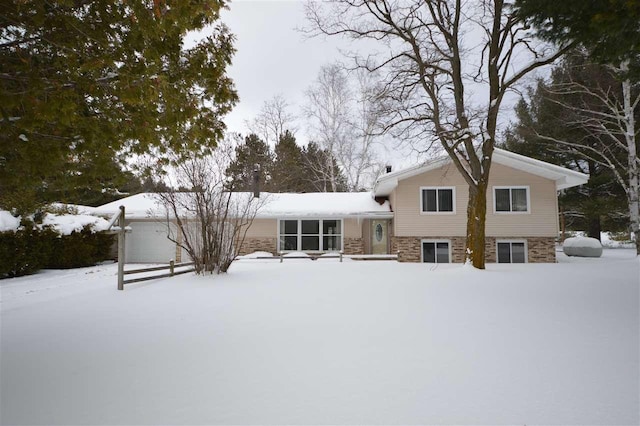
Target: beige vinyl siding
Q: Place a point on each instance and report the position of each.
(392, 203)
(263, 228)
(352, 227)
(541, 221)
(366, 235)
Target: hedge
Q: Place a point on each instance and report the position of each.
(25, 251)
(30, 249)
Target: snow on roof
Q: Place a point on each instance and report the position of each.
(563, 177)
(322, 204)
(271, 205)
(139, 206)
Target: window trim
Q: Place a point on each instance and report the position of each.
(453, 200)
(427, 240)
(511, 241)
(510, 187)
(299, 234)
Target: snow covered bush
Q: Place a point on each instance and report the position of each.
(80, 248)
(60, 241)
(25, 251)
(8, 222)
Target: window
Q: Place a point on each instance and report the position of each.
(331, 236)
(288, 235)
(512, 252)
(436, 252)
(437, 200)
(511, 200)
(310, 235)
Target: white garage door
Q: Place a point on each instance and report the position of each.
(148, 243)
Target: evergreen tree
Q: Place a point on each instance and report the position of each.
(546, 122)
(85, 84)
(288, 173)
(253, 151)
(609, 29)
(609, 32)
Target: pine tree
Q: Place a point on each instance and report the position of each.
(546, 122)
(609, 29)
(85, 84)
(288, 171)
(609, 32)
(253, 151)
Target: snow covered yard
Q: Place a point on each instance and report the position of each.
(326, 342)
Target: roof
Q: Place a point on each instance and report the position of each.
(272, 205)
(563, 177)
(139, 206)
(323, 204)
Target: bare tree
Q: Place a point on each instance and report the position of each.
(604, 108)
(434, 54)
(344, 121)
(273, 120)
(327, 110)
(211, 220)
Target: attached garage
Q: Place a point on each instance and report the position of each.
(148, 243)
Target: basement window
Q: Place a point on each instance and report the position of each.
(436, 252)
(512, 251)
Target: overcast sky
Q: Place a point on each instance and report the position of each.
(272, 56)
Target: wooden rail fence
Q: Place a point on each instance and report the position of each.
(171, 267)
(117, 225)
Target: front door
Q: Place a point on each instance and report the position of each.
(379, 238)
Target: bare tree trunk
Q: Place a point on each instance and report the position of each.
(476, 217)
(632, 159)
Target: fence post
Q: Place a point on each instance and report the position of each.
(280, 257)
(341, 257)
(172, 264)
(121, 249)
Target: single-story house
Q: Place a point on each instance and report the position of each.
(311, 222)
(418, 213)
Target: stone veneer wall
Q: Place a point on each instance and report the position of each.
(353, 246)
(539, 249)
(252, 244)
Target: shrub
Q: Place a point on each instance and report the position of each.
(30, 249)
(80, 249)
(25, 251)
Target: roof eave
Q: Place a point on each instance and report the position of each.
(360, 215)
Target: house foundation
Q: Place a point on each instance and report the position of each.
(539, 249)
(253, 244)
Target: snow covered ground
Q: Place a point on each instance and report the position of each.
(303, 341)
